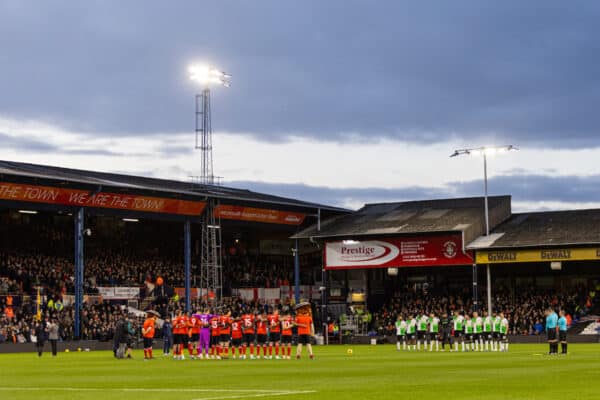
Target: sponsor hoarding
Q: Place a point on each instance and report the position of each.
(259, 215)
(85, 198)
(396, 252)
(537, 255)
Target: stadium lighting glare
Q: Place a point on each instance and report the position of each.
(213, 226)
(27, 212)
(131, 220)
(485, 152)
(207, 76)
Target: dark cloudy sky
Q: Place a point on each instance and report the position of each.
(341, 102)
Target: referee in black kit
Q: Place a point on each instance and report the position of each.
(551, 328)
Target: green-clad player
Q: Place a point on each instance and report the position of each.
(411, 330)
(469, 333)
(459, 334)
(496, 322)
(422, 331)
(477, 332)
(401, 327)
(434, 329)
(503, 333)
(487, 330)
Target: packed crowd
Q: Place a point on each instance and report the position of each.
(524, 309)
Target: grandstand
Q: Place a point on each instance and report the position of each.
(380, 260)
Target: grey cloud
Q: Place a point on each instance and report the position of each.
(510, 71)
(523, 188)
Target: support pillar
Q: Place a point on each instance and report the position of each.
(297, 272)
(187, 256)
(79, 217)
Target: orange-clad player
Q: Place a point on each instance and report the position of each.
(261, 334)
(148, 333)
(195, 326)
(180, 331)
(274, 333)
(215, 349)
(287, 323)
(236, 335)
(248, 331)
(306, 329)
(225, 332)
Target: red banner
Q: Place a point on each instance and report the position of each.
(83, 198)
(420, 251)
(259, 215)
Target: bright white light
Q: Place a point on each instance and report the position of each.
(131, 220)
(213, 226)
(350, 242)
(206, 75)
(28, 212)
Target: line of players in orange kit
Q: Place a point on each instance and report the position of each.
(212, 336)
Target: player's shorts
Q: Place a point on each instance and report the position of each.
(178, 338)
(261, 339)
(551, 334)
(401, 338)
(147, 342)
(275, 337)
(248, 338)
(195, 337)
(458, 334)
(562, 336)
(304, 339)
(411, 336)
(286, 339)
(224, 338)
(487, 336)
(214, 340)
(236, 342)
(469, 337)
(433, 336)
(477, 336)
(185, 339)
(495, 335)
(421, 335)
(503, 337)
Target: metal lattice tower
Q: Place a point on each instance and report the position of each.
(211, 270)
(211, 276)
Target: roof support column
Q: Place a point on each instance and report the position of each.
(79, 217)
(475, 290)
(297, 272)
(187, 260)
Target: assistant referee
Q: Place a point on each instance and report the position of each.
(551, 328)
(562, 332)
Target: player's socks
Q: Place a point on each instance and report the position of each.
(564, 348)
(289, 352)
(455, 346)
(251, 349)
(145, 353)
(419, 345)
(437, 345)
(276, 349)
(403, 345)
(463, 346)
(270, 350)
(190, 349)
(264, 350)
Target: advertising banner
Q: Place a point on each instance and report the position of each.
(259, 215)
(537, 255)
(84, 198)
(417, 251)
(119, 292)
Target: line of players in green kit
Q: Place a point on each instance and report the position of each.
(469, 330)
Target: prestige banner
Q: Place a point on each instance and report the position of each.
(259, 215)
(417, 251)
(84, 198)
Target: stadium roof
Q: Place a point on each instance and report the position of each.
(415, 217)
(173, 187)
(542, 229)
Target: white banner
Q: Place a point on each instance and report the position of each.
(119, 292)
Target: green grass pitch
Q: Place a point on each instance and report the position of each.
(371, 372)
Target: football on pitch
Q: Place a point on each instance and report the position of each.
(349, 351)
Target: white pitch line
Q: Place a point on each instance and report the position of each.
(182, 390)
(245, 396)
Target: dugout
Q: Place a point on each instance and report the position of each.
(80, 200)
(370, 254)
